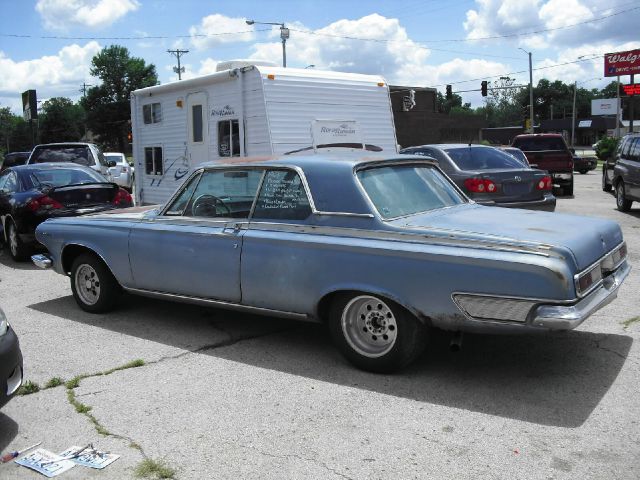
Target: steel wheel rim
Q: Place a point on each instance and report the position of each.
(87, 284)
(13, 241)
(369, 326)
(620, 194)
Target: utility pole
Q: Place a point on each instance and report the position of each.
(631, 108)
(573, 117)
(178, 53)
(530, 90)
(84, 88)
(284, 35)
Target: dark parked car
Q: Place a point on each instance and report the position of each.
(29, 194)
(14, 158)
(490, 176)
(10, 361)
(86, 154)
(549, 151)
(584, 164)
(623, 172)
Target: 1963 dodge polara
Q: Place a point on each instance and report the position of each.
(379, 248)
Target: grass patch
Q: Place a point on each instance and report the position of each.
(54, 382)
(149, 468)
(630, 321)
(28, 388)
(133, 364)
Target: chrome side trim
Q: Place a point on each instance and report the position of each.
(492, 308)
(219, 303)
(345, 214)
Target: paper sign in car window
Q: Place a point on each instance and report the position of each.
(45, 462)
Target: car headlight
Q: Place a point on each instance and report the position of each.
(4, 325)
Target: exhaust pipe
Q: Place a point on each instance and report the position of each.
(456, 342)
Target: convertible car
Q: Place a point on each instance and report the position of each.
(379, 248)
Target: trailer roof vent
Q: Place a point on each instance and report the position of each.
(231, 64)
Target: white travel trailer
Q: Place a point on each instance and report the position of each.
(249, 110)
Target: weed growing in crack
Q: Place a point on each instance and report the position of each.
(630, 321)
(28, 388)
(133, 364)
(149, 468)
(54, 382)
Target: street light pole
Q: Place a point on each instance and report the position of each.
(573, 117)
(284, 35)
(530, 89)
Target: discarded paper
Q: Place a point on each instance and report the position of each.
(47, 463)
(90, 457)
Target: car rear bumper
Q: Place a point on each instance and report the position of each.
(568, 317)
(548, 204)
(11, 373)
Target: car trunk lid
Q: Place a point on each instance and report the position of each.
(588, 239)
(512, 185)
(84, 195)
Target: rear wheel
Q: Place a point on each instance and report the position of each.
(18, 250)
(568, 190)
(606, 187)
(583, 171)
(375, 334)
(622, 203)
(94, 287)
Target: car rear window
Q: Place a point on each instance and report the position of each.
(540, 144)
(482, 158)
(79, 155)
(116, 158)
(59, 177)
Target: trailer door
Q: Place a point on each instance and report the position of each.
(197, 129)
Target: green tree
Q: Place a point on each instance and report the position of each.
(15, 133)
(61, 121)
(501, 104)
(107, 105)
(445, 105)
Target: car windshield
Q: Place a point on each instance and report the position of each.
(539, 144)
(59, 177)
(482, 158)
(116, 158)
(402, 190)
(79, 155)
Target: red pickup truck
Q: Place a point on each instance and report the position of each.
(549, 151)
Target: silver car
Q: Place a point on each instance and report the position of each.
(122, 173)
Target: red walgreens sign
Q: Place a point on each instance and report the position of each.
(622, 63)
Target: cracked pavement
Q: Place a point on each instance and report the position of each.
(228, 395)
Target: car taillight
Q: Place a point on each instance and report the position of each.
(43, 203)
(545, 183)
(480, 185)
(122, 198)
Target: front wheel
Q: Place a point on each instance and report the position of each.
(583, 171)
(622, 203)
(375, 334)
(94, 287)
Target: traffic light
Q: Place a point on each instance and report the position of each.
(449, 92)
(483, 88)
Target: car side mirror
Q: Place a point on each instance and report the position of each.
(111, 163)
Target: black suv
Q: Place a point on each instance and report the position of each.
(623, 172)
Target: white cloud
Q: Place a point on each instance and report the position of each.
(208, 33)
(207, 66)
(52, 75)
(508, 17)
(62, 14)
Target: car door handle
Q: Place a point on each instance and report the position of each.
(232, 230)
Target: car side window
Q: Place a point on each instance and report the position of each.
(224, 194)
(9, 182)
(3, 180)
(180, 203)
(626, 147)
(282, 197)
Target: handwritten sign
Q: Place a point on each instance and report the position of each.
(282, 190)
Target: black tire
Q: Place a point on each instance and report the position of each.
(410, 335)
(583, 171)
(622, 203)
(101, 292)
(606, 187)
(17, 249)
(568, 190)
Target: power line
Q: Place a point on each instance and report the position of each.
(147, 37)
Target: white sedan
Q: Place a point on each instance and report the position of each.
(122, 173)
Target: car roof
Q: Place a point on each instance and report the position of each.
(539, 135)
(65, 144)
(50, 166)
(443, 146)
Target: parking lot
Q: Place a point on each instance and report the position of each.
(228, 395)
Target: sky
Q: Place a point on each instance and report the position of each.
(47, 45)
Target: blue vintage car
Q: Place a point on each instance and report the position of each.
(381, 249)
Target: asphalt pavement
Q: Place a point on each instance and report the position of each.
(227, 396)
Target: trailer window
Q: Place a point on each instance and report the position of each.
(153, 161)
(196, 118)
(228, 138)
(151, 113)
